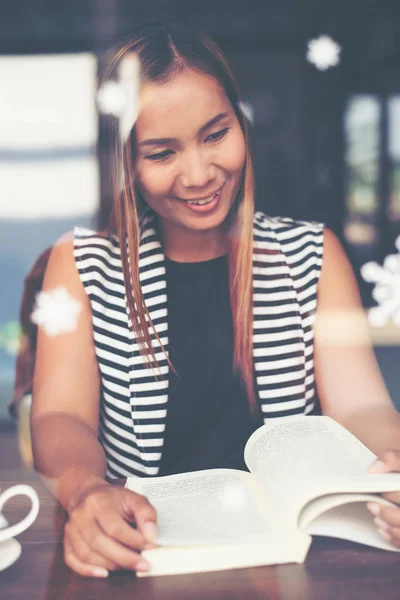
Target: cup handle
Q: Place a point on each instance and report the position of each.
(19, 490)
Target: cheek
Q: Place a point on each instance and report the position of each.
(235, 153)
(154, 182)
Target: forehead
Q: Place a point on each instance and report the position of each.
(183, 104)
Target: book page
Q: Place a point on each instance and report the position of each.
(218, 506)
(290, 456)
(345, 516)
(177, 559)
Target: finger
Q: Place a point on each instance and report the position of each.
(121, 555)
(74, 563)
(99, 542)
(392, 497)
(394, 533)
(125, 505)
(390, 534)
(386, 514)
(80, 548)
(114, 526)
(110, 549)
(389, 461)
(139, 509)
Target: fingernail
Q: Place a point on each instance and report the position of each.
(149, 546)
(149, 529)
(373, 507)
(142, 565)
(381, 524)
(377, 467)
(100, 572)
(384, 534)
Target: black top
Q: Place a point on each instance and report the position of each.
(208, 416)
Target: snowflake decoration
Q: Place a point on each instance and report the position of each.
(323, 52)
(387, 288)
(232, 496)
(121, 98)
(56, 311)
(111, 99)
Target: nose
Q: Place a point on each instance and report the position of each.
(196, 171)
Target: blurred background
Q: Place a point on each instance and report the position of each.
(320, 83)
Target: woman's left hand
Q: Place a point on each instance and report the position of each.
(387, 518)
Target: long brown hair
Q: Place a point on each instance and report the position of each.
(162, 51)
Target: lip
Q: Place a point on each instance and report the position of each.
(203, 197)
(205, 208)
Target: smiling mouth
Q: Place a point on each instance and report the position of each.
(203, 200)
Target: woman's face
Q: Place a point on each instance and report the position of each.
(190, 151)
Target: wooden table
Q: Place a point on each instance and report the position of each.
(333, 570)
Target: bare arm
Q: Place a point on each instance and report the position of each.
(98, 536)
(65, 410)
(348, 379)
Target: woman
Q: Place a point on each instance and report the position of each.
(174, 362)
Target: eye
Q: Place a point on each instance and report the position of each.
(159, 156)
(218, 135)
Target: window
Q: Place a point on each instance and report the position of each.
(48, 172)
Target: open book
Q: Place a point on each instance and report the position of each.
(308, 476)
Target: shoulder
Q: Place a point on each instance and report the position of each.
(62, 250)
(61, 270)
(332, 245)
(94, 246)
(282, 225)
(83, 236)
(338, 282)
(72, 249)
(288, 234)
(67, 245)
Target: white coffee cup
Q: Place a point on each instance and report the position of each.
(8, 532)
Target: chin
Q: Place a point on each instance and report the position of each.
(206, 222)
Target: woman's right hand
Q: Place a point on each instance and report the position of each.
(98, 537)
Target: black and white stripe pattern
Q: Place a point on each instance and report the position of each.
(286, 266)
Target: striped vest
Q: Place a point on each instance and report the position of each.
(287, 260)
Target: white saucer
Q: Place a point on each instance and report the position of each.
(10, 551)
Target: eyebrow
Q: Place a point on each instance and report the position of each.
(163, 141)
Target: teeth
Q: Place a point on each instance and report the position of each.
(200, 202)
